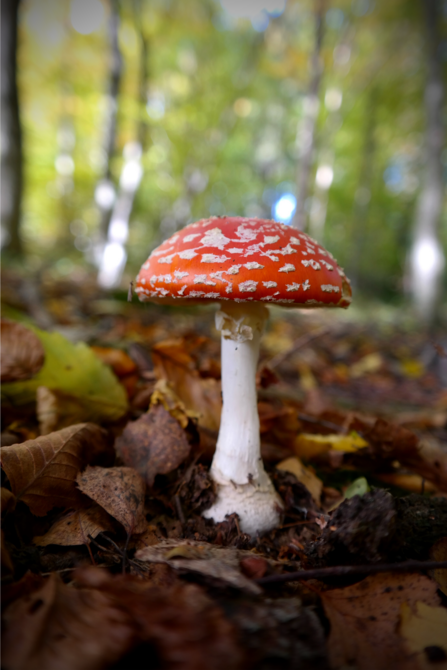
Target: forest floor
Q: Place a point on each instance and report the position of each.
(107, 562)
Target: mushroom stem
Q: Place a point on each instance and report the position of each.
(243, 486)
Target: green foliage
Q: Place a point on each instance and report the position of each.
(227, 138)
(75, 371)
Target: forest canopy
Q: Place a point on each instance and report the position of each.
(200, 108)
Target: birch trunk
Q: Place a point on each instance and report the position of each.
(11, 132)
(426, 260)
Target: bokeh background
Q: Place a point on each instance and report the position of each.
(122, 121)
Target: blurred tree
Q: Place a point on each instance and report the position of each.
(306, 132)
(105, 193)
(114, 256)
(221, 111)
(427, 258)
(362, 195)
(11, 132)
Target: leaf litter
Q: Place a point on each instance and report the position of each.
(339, 410)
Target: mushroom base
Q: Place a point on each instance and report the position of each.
(259, 509)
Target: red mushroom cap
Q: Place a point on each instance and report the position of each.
(243, 259)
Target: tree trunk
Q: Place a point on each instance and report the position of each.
(115, 72)
(362, 196)
(426, 260)
(11, 132)
(114, 256)
(306, 132)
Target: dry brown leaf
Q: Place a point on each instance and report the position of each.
(391, 442)
(58, 627)
(75, 527)
(120, 491)
(22, 354)
(153, 444)
(219, 563)
(187, 630)
(203, 396)
(42, 472)
(364, 620)
(425, 634)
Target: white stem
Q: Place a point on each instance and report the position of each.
(237, 468)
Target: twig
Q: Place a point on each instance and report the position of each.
(342, 570)
(179, 509)
(121, 552)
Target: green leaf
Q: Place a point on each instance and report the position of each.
(358, 487)
(74, 370)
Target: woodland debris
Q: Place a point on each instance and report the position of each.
(153, 444)
(365, 620)
(120, 491)
(42, 472)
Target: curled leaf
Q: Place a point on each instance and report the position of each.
(120, 491)
(75, 527)
(22, 355)
(153, 444)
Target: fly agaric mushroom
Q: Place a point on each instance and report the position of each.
(244, 264)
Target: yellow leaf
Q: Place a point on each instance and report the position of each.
(425, 627)
(370, 363)
(74, 371)
(304, 475)
(412, 368)
(307, 445)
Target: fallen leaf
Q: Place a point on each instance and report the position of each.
(369, 363)
(358, 487)
(364, 620)
(117, 359)
(42, 472)
(120, 491)
(438, 552)
(73, 370)
(173, 362)
(56, 410)
(182, 625)
(308, 446)
(21, 355)
(392, 442)
(408, 482)
(425, 627)
(220, 563)
(304, 475)
(153, 444)
(163, 394)
(75, 527)
(59, 627)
